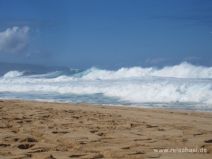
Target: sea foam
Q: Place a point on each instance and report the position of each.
(183, 83)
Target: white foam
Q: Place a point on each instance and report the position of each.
(183, 70)
(136, 85)
(13, 74)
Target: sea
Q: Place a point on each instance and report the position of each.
(181, 86)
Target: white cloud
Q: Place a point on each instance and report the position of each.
(14, 39)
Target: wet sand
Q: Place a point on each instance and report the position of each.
(42, 130)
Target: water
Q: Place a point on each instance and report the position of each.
(183, 86)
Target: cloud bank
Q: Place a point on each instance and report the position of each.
(14, 39)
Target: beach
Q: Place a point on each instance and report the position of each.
(42, 130)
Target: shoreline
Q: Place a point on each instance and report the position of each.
(48, 130)
(140, 106)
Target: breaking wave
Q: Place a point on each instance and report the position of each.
(13, 74)
(183, 83)
(183, 70)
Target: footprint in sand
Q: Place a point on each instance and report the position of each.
(25, 146)
(208, 141)
(77, 155)
(133, 125)
(137, 153)
(60, 132)
(126, 148)
(50, 157)
(161, 129)
(93, 131)
(151, 126)
(143, 139)
(38, 150)
(4, 145)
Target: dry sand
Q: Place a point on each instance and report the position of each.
(65, 131)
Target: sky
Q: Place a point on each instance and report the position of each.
(106, 33)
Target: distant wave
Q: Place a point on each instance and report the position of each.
(47, 75)
(183, 70)
(183, 83)
(13, 74)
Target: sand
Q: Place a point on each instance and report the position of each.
(42, 130)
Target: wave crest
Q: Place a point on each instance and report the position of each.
(135, 85)
(13, 74)
(183, 70)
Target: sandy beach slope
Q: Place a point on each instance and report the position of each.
(41, 130)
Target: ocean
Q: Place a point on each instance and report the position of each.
(182, 86)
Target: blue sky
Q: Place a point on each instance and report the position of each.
(106, 33)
